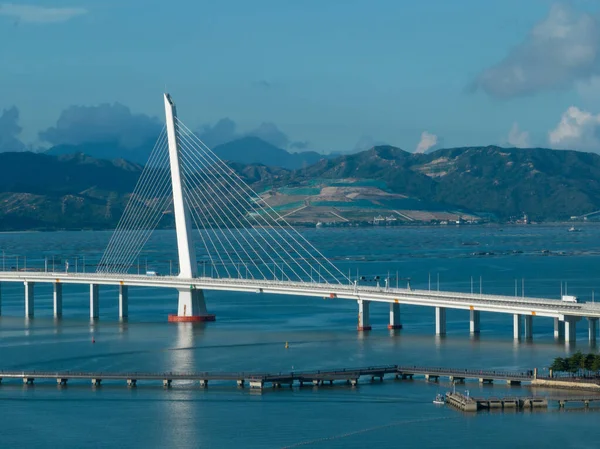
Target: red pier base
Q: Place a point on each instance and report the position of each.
(394, 326)
(173, 318)
(364, 328)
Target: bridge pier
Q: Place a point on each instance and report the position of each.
(58, 299)
(440, 321)
(474, 321)
(592, 329)
(94, 297)
(29, 298)
(559, 329)
(123, 301)
(191, 307)
(364, 323)
(571, 329)
(517, 326)
(528, 321)
(394, 316)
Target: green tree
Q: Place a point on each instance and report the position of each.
(560, 365)
(589, 362)
(596, 363)
(576, 362)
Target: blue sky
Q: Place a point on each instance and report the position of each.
(326, 73)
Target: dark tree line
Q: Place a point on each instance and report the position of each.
(578, 364)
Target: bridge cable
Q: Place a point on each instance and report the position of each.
(142, 226)
(284, 260)
(143, 212)
(207, 200)
(227, 206)
(240, 183)
(141, 186)
(232, 189)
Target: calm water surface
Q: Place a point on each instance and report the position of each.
(251, 332)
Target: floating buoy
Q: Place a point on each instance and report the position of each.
(286, 345)
(93, 340)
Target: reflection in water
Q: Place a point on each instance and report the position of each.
(182, 423)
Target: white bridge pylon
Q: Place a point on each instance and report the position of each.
(240, 234)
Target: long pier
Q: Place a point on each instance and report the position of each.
(259, 380)
(348, 376)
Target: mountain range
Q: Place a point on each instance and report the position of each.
(246, 150)
(44, 191)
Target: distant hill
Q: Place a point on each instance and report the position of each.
(105, 150)
(543, 183)
(247, 150)
(384, 163)
(40, 191)
(253, 150)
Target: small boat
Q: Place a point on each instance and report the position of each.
(439, 399)
(574, 229)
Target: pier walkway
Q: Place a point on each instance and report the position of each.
(262, 379)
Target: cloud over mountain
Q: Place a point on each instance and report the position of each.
(10, 130)
(577, 130)
(102, 123)
(427, 141)
(518, 138)
(558, 52)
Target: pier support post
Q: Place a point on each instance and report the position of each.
(58, 299)
(394, 316)
(123, 301)
(528, 321)
(29, 298)
(94, 297)
(592, 329)
(440, 321)
(559, 329)
(364, 322)
(571, 329)
(191, 307)
(517, 326)
(474, 320)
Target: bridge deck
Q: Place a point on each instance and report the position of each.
(491, 303)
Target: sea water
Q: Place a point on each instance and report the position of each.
(251, 332)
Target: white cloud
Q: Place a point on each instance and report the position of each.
(428, 141)
(518, 138)
(39, 14)
(577, 130)
(558, 52)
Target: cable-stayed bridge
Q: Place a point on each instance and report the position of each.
(247, 246)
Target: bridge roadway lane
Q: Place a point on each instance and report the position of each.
(453, 300)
